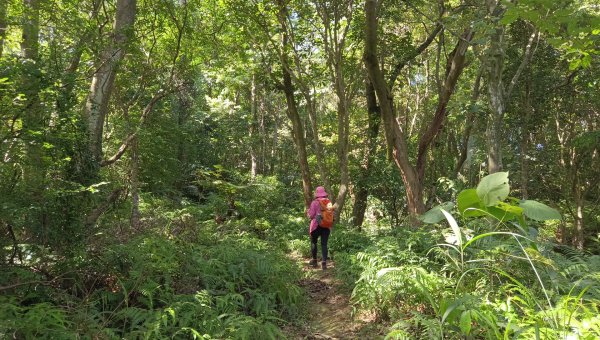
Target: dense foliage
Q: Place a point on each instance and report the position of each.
(158, 158)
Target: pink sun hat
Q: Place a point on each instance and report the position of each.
(320, 192)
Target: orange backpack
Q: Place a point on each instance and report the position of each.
(326, 214)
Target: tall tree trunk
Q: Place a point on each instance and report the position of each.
(343, 141)
(464, 147)
(577, 192)
(253, 128)
(3, 24)
(495, 69)
(135, 185)
(66, 99)
(292, 111)
(96, 107)
(274, 143)
(362, 191)
(334, 35)
(33, 119)
(525, 140)
(393, 132)
(497, 93)
(319, 153)
(263, 136)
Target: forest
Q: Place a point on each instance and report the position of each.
(160, 157)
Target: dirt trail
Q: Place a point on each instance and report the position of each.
(330, 308)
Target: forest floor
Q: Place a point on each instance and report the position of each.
(330, 312)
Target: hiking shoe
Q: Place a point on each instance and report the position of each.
(324, 265)
(313, 263)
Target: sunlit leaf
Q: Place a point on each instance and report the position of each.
(538, 211)
(493, 188)
(468, 199)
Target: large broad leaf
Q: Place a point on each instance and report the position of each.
(465, 322)
(435, 215)
(500, 214)
(539, 211)
(468, 199)
(511, 209)
(493, 188)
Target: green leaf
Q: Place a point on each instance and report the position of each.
(539, 211)
(493, 188)
(501, 214)
(509, 17)
(454, 227)
(465, 322)
(435, 215)
(509, 208)
(468, 199)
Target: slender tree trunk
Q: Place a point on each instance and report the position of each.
(253, 127)
(334, 34)
(464, 148)
(96, 107)
(298, 133)
(274, 144)
(343, 142)
(319, 153)
(578, 233)
(263, 136)
(525, 141)
(497, 93)
(292, 111)
(33, 119)
(3, 24)
(361, 187)
(135, 185)
(394, 135)
(496, 99)
(66, 99)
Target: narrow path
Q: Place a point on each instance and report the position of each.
(330, 309)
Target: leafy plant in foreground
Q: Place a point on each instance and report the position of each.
(503, 279)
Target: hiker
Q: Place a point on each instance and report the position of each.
(321, 221)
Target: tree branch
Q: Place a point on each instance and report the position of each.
(526, 58)
(454, 68)
(398, 68)
(93, 216)
(159, 95)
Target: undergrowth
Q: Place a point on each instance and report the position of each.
(218, 269)
(182, 277)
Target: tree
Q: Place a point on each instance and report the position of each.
(412, 176)
(102, 85)
(3, 24)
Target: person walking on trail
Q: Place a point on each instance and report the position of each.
(320, 213)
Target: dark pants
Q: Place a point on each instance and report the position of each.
(314, 236)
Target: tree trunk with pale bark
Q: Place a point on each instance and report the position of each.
(97, 103)
(253, 128)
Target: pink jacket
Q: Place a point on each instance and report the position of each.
(313, 211)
